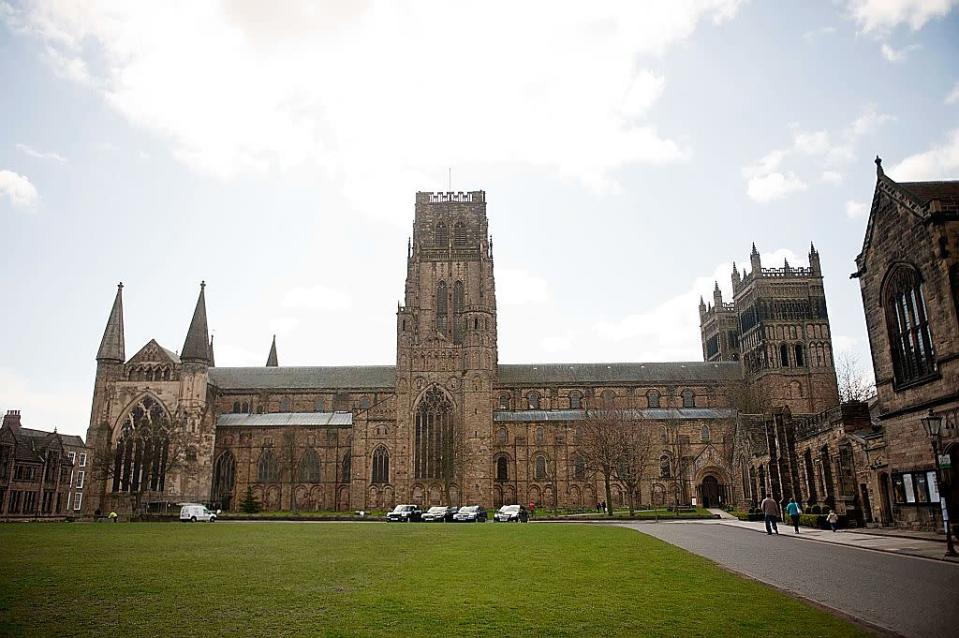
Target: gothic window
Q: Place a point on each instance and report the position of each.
(609, 399)
(539, 471)
(142, 448)
(800, 356)
(704, 434)
(318, 405)
(459, 305)
(267, 468)
(575, 400)
(224, 478)
(310, 467)
(501, 435)
(245, 408)
(652, 397)
(502, 469)
(533, 400)
(433, 436)
(381, 465)
(689, 399)
(347, 467)
(907, 322)
(284, 404)
(442, 307)
(459, 234)
(540, 436)
(664, 466)
(504, 401)
(442, 235)
(784, 355)
(579, 468)
(236, 407)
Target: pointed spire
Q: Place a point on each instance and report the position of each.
(271, 360)
(812, 249)
(112, 347)
(785, 263)
(879, 171)
(196, 347)
(716, 287)
(735, 270)
(702, 304)
(210, 357)
(754, 252)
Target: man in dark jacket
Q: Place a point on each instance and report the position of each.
(770, 514)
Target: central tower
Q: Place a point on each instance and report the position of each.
(446, 351)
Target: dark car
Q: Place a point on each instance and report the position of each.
(439, 514)
(511, 514)
(470, 514)
(405, 514)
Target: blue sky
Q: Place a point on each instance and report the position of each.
(630, 153)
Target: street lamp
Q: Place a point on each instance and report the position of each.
(933, 426)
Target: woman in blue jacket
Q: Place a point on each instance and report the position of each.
(793, 510)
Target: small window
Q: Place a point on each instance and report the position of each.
(689, 399)
(364, 403)
(245, 407)
(459, 234)
(540, 436)
(77, 501)
(504, 402)
(236, 407)
(609, 399)
(284, 405)
(652, 398)
(502, 469)
(704, 434)
(533, 400)
(501, 435)
(83, 459)
(575, 400)
(80, 476)
(800, 357)
(540, 468)
(318, 405)
(784, 355)
(442, 235)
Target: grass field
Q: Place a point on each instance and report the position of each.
(299, 579)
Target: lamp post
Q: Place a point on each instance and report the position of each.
(933, 426)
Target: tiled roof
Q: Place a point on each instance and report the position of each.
(282, 419)
(926, 192)
(68, 439)
(294, 378)
(594, 373)
(654, 414)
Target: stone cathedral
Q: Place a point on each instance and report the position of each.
(448, 422)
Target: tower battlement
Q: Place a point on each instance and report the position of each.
(450, 197)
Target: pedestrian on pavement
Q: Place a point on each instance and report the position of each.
(770, 514)
(793, 510)
(833, 520)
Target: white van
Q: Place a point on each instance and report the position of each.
(193, 513)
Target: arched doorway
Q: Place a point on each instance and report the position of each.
(711, 491)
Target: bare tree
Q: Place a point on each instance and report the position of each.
(141, 460)
(854, 383)
(634, 448)
(601, 446)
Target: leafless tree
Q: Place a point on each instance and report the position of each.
(634, 448)
(601, 445)
(854, 383)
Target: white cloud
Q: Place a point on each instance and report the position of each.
(773, 186)
(241, 87)
(869, 121)
(882, 15)
(18, 189)
(953, 97)
(896, 55)
(831, 177)
(517, 287)
(32, 152)
(855, 209)
(815, 143)
(939, 162)
(318, 297)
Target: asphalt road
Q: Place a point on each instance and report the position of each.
(906, 595)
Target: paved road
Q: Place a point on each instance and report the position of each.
(906, 595)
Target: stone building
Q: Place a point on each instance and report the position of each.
(908, 273)
(40, 473)
(448, 422)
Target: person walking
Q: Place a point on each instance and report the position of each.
(833, 520)
(793, 510)
(770, 514)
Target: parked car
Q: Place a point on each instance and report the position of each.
(405, 514)
(439, 514)
(194, 513)
(470, 514)
(511, 514)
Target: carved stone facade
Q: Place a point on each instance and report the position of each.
(447, 422)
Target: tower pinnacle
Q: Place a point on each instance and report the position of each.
(271, 359)
(196, 347)
(112, 347)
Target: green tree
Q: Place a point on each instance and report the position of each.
(250, 505)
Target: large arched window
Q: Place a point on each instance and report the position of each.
(459, 234)
(267, 469)
(910, 340)
(784, 355)
(442, 235)
(381, 465)
(689, 399)
(502, 469)
(539, 468)
(346, 467)
(142, 448)
(442, 307)
(433, 445)
(575, 400)
(579, 468)
(224, 478)
(665, 469)
(800, 356)
(652, 398)
(310, 467)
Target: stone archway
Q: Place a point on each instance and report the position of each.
(710, 491)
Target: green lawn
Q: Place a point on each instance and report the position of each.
(297, 579)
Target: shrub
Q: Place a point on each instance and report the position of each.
(249, 504)
(815, 509)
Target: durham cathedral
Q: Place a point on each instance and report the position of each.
(448, 420)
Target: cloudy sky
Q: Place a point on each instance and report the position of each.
(630, 153)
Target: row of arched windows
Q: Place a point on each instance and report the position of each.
(607, 399)
(319, 405)
(540, 465)
(150, 373)
(442, 235)
(308, 470)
